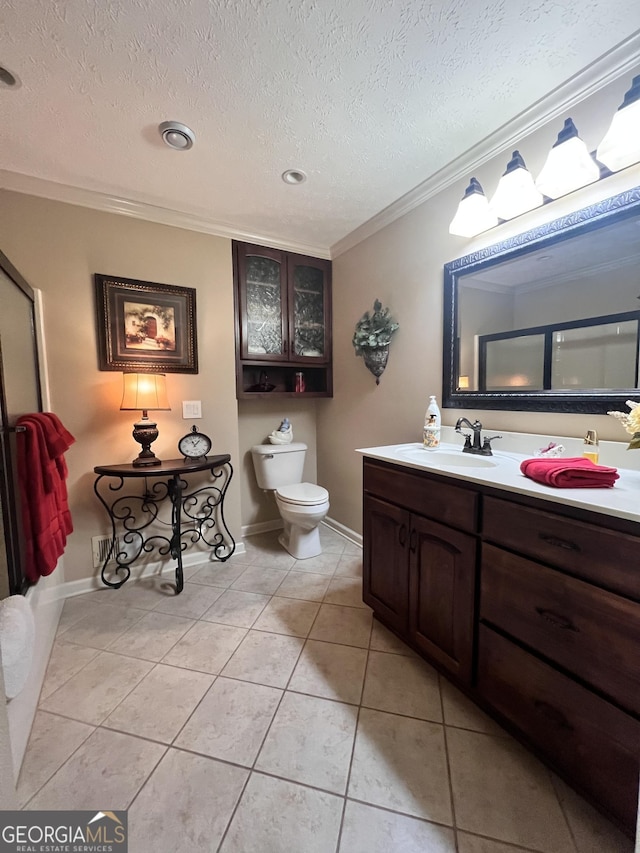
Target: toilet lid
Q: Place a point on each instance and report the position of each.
(303, 494)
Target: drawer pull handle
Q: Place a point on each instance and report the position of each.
(559, 543)
(412, 540)
(552, 714)
(556, 620)
(402, 535)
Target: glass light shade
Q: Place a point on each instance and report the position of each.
(473, 215)
(621, 145)
(569, 165)
(516, 192)
(144, 391)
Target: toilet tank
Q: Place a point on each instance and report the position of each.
(278, 464)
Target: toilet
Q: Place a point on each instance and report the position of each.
(302, 506)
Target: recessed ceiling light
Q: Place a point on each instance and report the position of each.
(294, 176)
(8, 79)
(177, 135)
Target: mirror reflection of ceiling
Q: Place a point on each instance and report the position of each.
(587, 256)
(369, 98)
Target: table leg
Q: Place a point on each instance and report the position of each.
(176, 487)
(112, 553)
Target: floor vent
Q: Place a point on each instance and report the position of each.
(100, 547)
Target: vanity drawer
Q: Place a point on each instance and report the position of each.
(595, 743)
(595, 553)
(593, 633)
(428, 496)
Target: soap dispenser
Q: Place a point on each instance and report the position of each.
(432, 425)
(591, 448)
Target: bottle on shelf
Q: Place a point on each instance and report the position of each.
(591, 448)
(432, 425)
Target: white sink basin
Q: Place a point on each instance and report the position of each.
(446, 458)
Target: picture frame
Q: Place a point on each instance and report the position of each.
(145, 326)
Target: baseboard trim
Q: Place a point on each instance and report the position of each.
(69, 589)
(276, 524)
(262, 527)
(343, 530)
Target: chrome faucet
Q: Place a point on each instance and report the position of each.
(479, 446)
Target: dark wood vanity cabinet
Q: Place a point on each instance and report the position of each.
(386, 561)
(419, 570)
(531, 607)
(283, 323)
(559, 644)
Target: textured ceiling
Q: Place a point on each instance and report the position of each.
(369, 97)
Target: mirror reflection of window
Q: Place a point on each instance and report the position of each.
(603, 356)
(514, 364)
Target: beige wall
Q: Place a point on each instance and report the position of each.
(57, 248)
(402, 265)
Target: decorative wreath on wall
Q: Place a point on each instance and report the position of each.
(372, 337)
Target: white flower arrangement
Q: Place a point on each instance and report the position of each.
(631, 422)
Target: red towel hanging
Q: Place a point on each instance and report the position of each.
(42, 473)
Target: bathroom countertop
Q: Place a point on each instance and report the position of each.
(502, 470)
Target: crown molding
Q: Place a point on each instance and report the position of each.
(30, 185)
(619, 61)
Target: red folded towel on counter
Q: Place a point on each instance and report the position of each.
(573, 473)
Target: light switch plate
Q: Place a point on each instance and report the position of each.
(191, 409)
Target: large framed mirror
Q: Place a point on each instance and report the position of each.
(548, 320)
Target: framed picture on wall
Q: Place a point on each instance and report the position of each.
(145, 326)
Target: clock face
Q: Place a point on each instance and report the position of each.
(194, 445)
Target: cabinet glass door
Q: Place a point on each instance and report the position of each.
(263, 308)
(309, 312)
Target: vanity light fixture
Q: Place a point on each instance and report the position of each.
(516, 192)
(569, 165)
(473, 215)
(177, 135)
(621, 144)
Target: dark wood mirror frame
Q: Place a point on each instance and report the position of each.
(596, 401)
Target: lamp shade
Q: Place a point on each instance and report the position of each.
(144, 391)
(473, 215)
(516, 192)
(569, 165)
(621, 144)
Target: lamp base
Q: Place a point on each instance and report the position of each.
(145, 433)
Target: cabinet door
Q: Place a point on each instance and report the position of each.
(262, 303)
(386, 564)
(591, 741)
(309, 309)
(442, 590)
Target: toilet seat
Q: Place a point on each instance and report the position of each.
(302, 494)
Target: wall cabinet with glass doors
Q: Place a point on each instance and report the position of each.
(283, 323)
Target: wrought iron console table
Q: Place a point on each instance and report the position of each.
(196, 515)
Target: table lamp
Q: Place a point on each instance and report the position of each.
(144, 391)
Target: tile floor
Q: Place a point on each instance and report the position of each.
(264, 710)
